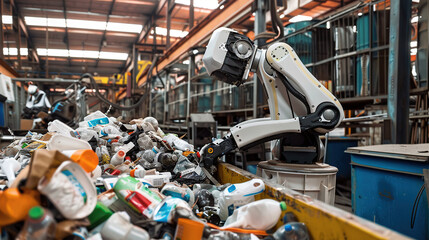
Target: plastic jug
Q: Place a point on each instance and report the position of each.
(86, 158)
(258, 215)
(10, 199)
(238, 195)
(118, 227)
(40, 224)
(59, 127)
(292, 231)
(63, 143)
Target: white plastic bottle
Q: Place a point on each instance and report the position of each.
(138, 172)
(178, 143)
(258, 215)
(292, 231)
(118, 158)
(238, 195)
(118, 227)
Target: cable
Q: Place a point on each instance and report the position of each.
(117, 106)
(416, 206)
(291, 105)
(294, 92)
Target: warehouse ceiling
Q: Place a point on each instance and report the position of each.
(71, 37)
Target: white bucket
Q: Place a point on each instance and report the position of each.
(314, 180)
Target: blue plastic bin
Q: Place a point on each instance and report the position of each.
(335, 155)
(386, 180)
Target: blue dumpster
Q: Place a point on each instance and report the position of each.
(335, 155)
(386, 181)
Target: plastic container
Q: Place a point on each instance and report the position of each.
(292, 231)
(136, 195)
(138, 172)
(10, 167)
(238, 195)
(189, 229)
(40, 224)
(59, 127)
(80, 198)
(314, 180)
(86, 158)
(100, 214)
(118, 158)
(119, 227)
(10, 199)
(165, 211)
(259, 215)
(175, 191)
(63, 143)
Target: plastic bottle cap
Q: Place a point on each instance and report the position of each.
(36, 212)
(121, 153)
(283, 205)
(132, 173)
(86, 158)
(288, 227)
(198, 155)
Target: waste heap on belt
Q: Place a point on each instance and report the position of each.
(109, 180)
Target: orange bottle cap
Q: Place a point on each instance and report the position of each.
(86, 158)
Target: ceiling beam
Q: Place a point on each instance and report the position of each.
(232, 11)
(145, 31)
(24, 29)
(103, 38)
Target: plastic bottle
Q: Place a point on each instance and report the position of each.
(292, 231)
(258, 215)
(118, 158)
(40, 224)
(167, 160)
(145, 142)
(59, 127)
(118, 227)
(84, 134)
(138, 172)
(178, 143)
(149, 155)
(238, 195)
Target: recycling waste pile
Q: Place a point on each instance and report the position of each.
(110, 180)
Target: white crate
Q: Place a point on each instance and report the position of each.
(316, 180)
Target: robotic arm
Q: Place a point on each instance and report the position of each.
(298, 103)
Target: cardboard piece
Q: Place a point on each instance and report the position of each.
(26, 124)
(43, 163)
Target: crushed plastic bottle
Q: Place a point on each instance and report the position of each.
(178, 143)
(40, 224)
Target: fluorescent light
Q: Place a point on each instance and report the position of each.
(415, 19)
(14, 51)
(124, 27)
(208, 4)
(82, 54)
(354, 28)
(173, 32)
(300, 18)
(282, 16)
(328, 25)
(186, 61)
(360, 14)
(221, 6)
(7, 19)
(83, 24)
(413, 44)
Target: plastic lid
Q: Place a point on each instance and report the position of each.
(288, 227)
(283, 205)
(121, 153)
(36, 212)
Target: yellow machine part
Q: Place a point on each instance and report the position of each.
(323, 221)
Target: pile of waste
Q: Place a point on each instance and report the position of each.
(110, 180)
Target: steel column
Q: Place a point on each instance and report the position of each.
(399, 70)
(191, 14)
(169, 10)
(1, 30)
(260, 26)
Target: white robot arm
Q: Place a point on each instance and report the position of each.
(298, 103)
